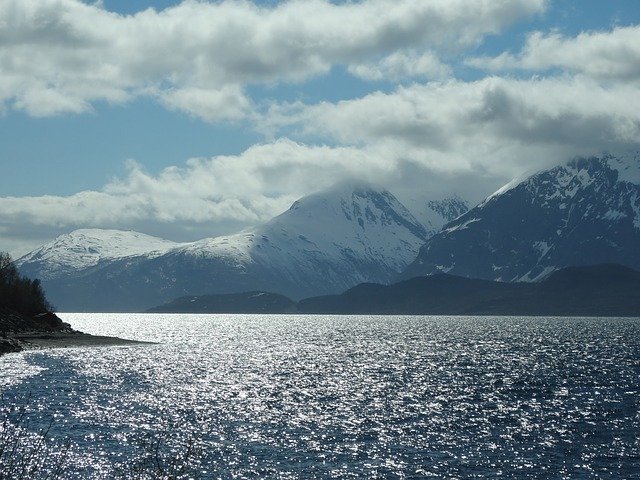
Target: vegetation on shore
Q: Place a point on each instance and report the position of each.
(18, 293)
(23, 307)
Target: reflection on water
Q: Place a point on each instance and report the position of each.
(346, 397)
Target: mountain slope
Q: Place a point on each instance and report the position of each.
(583, 213)
(86, 248)
(324, 243)
(434, 214)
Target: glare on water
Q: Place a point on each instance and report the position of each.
(345, 397)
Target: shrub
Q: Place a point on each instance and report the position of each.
(24, 454)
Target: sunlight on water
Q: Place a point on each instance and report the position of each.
(15, 368)
(346, 397)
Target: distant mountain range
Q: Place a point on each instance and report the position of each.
(247, 302)
(585, 212)
(325, 243)
(602, 290)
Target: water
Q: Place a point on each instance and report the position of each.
(343, 397)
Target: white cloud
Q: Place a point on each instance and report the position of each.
(605, 56)
(440, 137)
(63, 55)
(207, 194)
(220, 195)
(437, 137)
(400, 65)
(426, 140)
(496, 126)
(228, 103)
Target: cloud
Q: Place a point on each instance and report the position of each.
(442, 136)
(402, 65)
(606, 56)
(228, 103)
(435, 138)
(220, 195)
(421, 141)
(64, 55)
(497, 126)
(212, 195)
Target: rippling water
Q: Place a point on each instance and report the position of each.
(345, 397)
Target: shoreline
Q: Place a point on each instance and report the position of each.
(19, 332)
(55, 340)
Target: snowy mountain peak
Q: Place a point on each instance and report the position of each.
(351, 205)
(341, 228)
(564, 180)
(325, 243)
(586, 211)
(85, 248)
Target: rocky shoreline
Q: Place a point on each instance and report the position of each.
(20, 332)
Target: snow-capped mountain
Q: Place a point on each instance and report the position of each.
(432, 213)
(441, 212)
(325, 243)
(86, 248)
(585, 212)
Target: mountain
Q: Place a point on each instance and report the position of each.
(447, 210)
(81, 250)
(585, 212)
(249, 302)
(601, 290)
(434, 214)
(325, 243)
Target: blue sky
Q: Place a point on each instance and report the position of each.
(194, 119)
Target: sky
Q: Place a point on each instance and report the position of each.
(192, 119)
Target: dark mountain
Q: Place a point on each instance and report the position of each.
(601, 290)
(250, 302)
(438, 294)
(586, 212)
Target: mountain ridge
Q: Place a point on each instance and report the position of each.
(596, 290)
(324, 243)
(584, 211)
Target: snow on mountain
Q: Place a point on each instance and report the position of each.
(86, 248)
(434, 214)
(627, 167)
(353, 224)
(332, 240)
(445, 211)
(584, 212)
(325, 243)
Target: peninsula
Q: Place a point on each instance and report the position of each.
(27, 320)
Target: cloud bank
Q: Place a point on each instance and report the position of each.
(500, 124)
(206, 196)
(607, 56)
(61, 56)
(428, 134)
